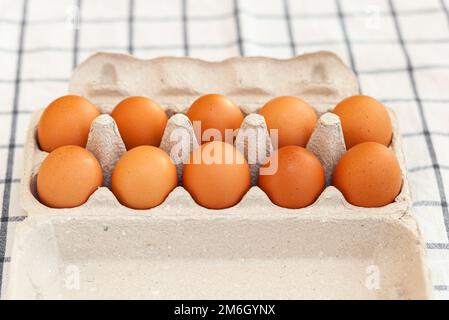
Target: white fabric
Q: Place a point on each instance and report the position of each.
(398, 48)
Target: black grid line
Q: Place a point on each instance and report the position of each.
(429, 203)
(309, 15)
(238, 28)
(289, 27)
(225, 45)
(8, 112)
(185, 29)
(36, 80)
(13, 219)
(441, 288)
(7, 146)
(131, 27)
(428, 138)
(9, 180)
(227, 15)
(429, 100)
(2, 261)
(437, 246)
(424, 133)
(399, 70)
(434, 166)
(12, 140)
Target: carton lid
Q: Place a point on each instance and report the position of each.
(319, 78)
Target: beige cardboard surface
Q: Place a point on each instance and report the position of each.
(182, 250)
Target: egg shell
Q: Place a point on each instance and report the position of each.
(215, 111)
(143, 177)
(368, 175)
(292, 117)
(298, 179)
(216, 175)
(67, 177)
(66, 121)
(364, 119)
(140, 121)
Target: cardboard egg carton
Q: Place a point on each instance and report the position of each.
(179, 249)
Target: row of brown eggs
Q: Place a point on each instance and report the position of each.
(141, 121)
(368, 174)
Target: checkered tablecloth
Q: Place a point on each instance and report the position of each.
(398, 48)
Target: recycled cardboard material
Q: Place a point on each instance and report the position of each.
(179, 249)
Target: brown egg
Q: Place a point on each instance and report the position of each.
(143, 177)
(368, 175)
(298, 180)
(140, 121)
(216, 175)
(66, 121)
(364, 119)
(215, 111)
(292, 117)
(67, 177)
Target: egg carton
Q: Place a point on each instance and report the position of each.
(179, 249)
